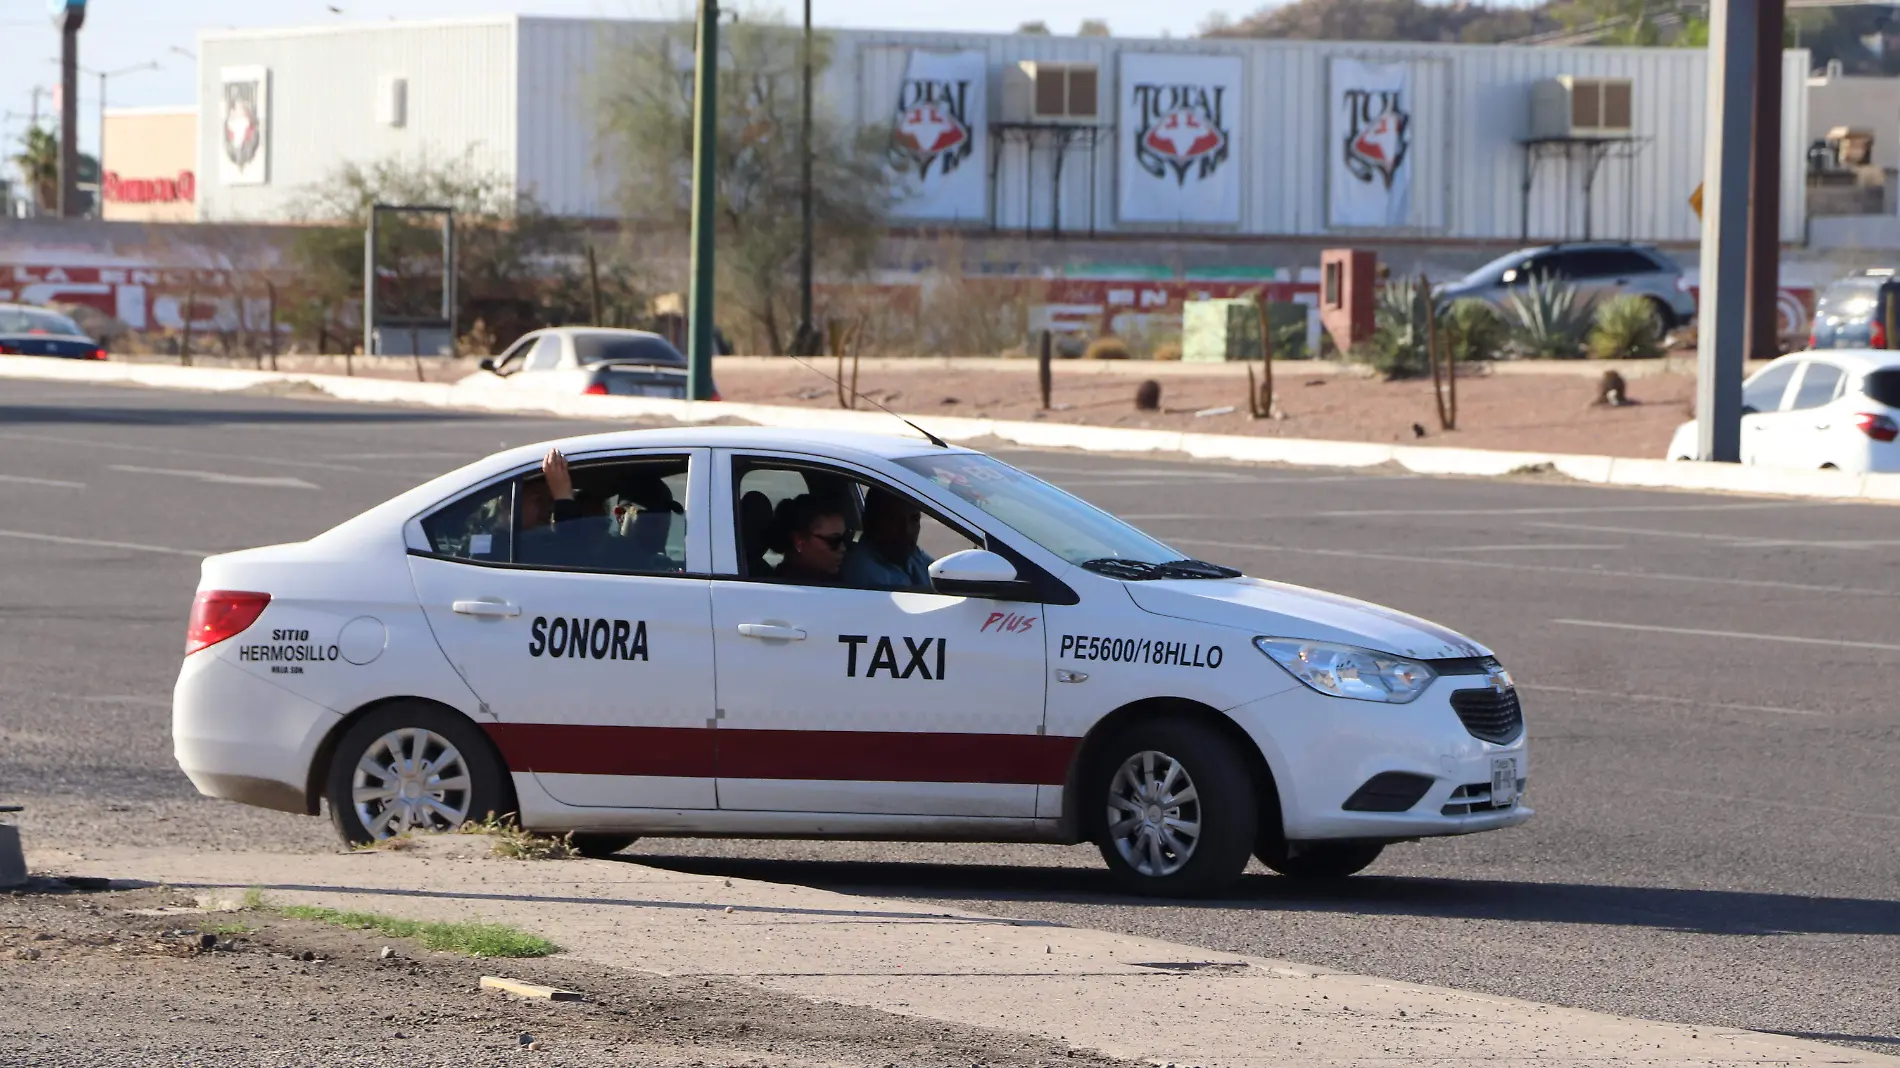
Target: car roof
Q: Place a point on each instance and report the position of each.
(836, 444)
(570, 331)
(1859, 361)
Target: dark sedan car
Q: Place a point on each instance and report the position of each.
(29, 331)
(1860, 311)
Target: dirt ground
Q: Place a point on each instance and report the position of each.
(116, 977)
(1542, 412)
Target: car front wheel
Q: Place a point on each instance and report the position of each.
(589, 844)
(1178, 810)
(411, 766)
(1317, 860)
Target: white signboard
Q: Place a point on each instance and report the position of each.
(1179, 140)
(244, 127)
(940, 137)
(1370, 141)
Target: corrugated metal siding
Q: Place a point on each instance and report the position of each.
(523, 92)
(324, 83)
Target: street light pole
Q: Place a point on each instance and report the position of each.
(1721, 328)
(807, 330)
(699, 350)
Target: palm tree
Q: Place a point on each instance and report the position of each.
(39, 165)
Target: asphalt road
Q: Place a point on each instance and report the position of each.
(1709, 684)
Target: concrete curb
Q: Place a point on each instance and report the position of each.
(1031, 977)
(1424, 460)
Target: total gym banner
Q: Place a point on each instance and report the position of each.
(244, 147)
(1180, 118)
(940, 137)
(1370, 141)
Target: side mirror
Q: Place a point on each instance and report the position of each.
(488, 363)
(1749, 409)
(974, 573)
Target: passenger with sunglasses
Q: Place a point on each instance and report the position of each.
(814, 540)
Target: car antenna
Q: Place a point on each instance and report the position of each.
(934, 439)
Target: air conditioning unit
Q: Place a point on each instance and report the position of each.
(1570, 107)
(1034, 91)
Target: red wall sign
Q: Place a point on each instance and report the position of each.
(152, 190)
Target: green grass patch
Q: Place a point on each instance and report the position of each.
(474, 938)
(227, 927)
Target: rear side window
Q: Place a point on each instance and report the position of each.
(475, 527)
(1883, 386)
(627, 517)
(1818, 386)
(597, 348)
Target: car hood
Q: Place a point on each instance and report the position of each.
(1280, 610)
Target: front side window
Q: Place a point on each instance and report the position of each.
(1065, 525)
(818, 526)
(546, 355)
(1762, 393)
(1818, 386)
(509, 362)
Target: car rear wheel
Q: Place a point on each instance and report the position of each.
(1317, 860)
(411, 766)
(601, 845)
(1178, 810)
(1665, 315)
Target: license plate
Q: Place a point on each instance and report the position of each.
(1504, 782)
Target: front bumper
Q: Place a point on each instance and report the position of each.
(241, 738)
(1322, 749)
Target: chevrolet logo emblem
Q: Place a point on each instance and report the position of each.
(1500, 680)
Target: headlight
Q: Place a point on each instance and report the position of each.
(1348, 671)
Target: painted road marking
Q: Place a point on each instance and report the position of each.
(1697, 632)
(238, 457)
(58, 483)
(1740, 541)
(1598, 546)
(1553, 569)
(1579, 691)
(57, 539)
(219, 477)
(1590, 510)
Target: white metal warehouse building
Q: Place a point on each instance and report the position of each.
(1216, 137)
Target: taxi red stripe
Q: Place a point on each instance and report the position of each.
(854, 756)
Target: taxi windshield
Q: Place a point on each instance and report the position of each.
(1067, 526)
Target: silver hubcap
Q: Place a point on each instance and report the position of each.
(1154, 814)
(410, 779)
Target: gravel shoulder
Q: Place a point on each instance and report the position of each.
(123, 977)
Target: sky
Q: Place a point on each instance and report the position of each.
(121, 34)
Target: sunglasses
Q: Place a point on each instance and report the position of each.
(836, 541)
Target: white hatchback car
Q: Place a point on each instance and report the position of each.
(647, 664)
(1829, 408)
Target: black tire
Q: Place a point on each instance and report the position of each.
(598, 845)
(1226, 808)
(1665, 315)
(489, 792)
(1317, 860)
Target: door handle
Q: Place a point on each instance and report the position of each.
(487, 609)
(772, 631)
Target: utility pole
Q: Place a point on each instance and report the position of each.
(806, 330)
(69, 16)
(1764, 189)
(1722, 336)
(699, 345)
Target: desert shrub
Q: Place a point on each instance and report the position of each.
(1626, 329)
(1396, 348)
(1549, 321)
(1168, 350)
(1106, 348)
(1473, 329)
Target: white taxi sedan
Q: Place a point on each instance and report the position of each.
(642, 657)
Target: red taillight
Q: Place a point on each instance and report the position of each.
(596, 389)
(715, 396)
(98, 354)
(8, 350)
(1877, 336)
(1877, 427)
(1811, 340)
(220, 614)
